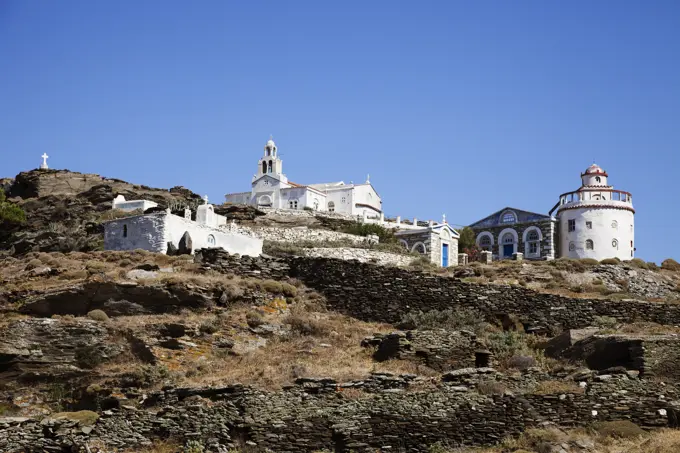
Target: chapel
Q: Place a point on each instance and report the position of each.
(270, 188)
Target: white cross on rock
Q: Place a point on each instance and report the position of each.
(44, 166)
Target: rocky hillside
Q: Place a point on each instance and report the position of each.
(104, 351)
(64, 210)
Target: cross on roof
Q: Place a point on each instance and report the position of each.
(44, 162)
(205, 199)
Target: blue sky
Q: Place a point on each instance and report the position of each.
(452, 107)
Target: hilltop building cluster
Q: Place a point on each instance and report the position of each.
(595, 221)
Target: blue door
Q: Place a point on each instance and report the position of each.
(445, 255)
(508, 250)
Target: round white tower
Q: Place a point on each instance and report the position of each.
(596, 221)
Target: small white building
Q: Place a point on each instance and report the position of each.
(596, 221)
(272, 189)
(163, 231)
(121, 204)
(439, 242)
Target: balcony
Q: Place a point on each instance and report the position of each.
(590, 197)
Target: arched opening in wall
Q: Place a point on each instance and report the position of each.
(508, 245)
(615, 243)
(264, 201)
(419, 248)
(572, 246)
(331, 206)
(532, 243)
(485, 242)
(270, 166)
(264, 167)
(598, 179)
(211, 240)
(404, 243)
(590, 245)
(316, 204)
(125, 231)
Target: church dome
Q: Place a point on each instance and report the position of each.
(594, 170)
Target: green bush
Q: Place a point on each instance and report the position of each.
(9, 212)
(670, 265)
(467, 239)
(386, 235)
(589, 261)
(637, 262)
(610, 261)
(98, 315)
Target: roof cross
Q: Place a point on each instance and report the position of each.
(44, 166)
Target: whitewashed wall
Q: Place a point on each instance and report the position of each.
(603, 233)
(144, 232)
(176, 226)
(365, 194)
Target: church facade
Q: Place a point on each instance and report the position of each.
(270, 188)
(595, 221)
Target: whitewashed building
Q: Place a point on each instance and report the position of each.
(270, 188)
(164, 232)
(596, 221)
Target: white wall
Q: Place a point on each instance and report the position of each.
(602, 233)
(144, 232)
(365, 194)
(176, 226)
(336, 196)
(152, 232)
(132, 205)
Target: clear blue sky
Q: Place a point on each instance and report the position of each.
(452, 107)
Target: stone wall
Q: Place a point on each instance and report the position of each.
(316, 415)
(546, 246)
(299, 234)
(361, 255)
(385, 294)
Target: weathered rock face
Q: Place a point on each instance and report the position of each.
(315, 415)
(39, 349)
(438, 349)
(118, 299)
(650, 355)
(385, 294)
(641, 282)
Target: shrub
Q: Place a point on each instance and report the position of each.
(491, 387)
(461, 319)
(467, 238)
(670, 265)
(10, 212)
(210, 326)
(386, 235)
(521, 362)
(254, 319)
(588, 261)
(303, 324)
(98, 315)
(623, 429)
(423, 263)
(637, 262)
(610, 261)
(605, 322)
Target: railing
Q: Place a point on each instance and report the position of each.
(595, 195)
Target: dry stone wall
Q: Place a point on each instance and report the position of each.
(312, 416)
(385, 294)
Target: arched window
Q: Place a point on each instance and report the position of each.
(485, 242)
(419, 248)
(508, 238)
(509, 217)
(331, 206)
(264, 167)
(270, 166)
(615, 243)
(532, 236)
(211, 240)
(590, 245)
(404, 243)
(572, 246)
(532, 243)
(124, 231)
(598, 179)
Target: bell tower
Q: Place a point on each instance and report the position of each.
(270, 164)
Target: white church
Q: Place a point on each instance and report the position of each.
(272, 189)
